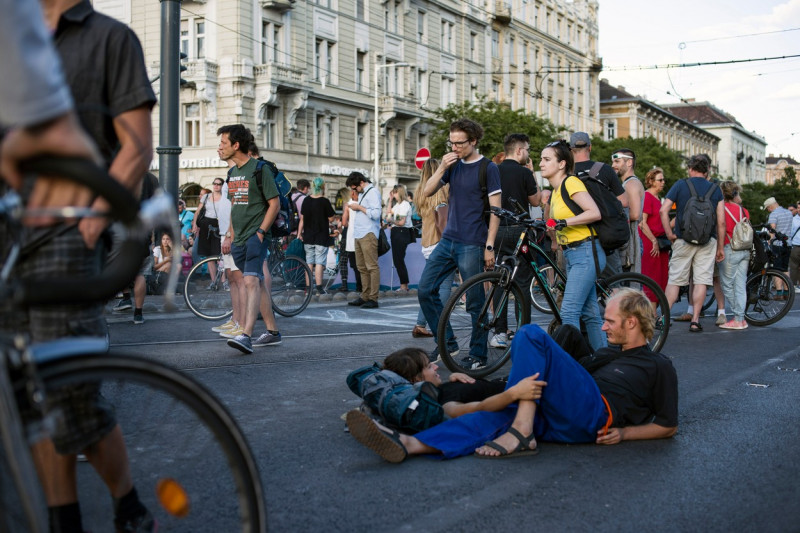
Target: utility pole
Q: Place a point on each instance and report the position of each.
(169, 106)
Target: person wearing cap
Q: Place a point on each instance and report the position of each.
(623, 161)
(581, 145)
(780, 220)
(687, 258)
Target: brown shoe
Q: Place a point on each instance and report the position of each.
(685, 317)
(419, 332)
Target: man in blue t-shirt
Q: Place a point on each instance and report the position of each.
(467, 244)
(697, 259)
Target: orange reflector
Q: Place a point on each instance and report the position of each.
(172, 497)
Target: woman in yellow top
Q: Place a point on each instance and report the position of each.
(575, 239)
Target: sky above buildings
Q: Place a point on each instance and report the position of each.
(764, 96)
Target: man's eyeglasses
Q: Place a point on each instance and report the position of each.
(218, 183)
(450, 144)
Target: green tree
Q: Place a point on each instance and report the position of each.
(497, 120)
(789, 178)
(753, 195)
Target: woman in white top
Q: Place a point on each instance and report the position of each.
(399, 218)
(207, 233)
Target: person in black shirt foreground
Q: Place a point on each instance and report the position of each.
(624, 393)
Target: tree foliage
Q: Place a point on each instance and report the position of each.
(497, 120)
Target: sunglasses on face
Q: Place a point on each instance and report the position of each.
(218, 183)
(621, 156)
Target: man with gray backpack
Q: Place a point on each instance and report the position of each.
(698, 235)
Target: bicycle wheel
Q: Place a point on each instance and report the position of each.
(292, 286)
(640, 282)
(181, 442)
(556, 287)
(205, 297)
(764, 306)
(461, 355)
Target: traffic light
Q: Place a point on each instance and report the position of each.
(183, 68)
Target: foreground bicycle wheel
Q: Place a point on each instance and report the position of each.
(205, 297)
(460, 357)
(640, 282)
(292, 286)
(189, 460)
(555, 284)
(764, 305)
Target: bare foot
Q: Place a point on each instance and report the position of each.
(510, 443)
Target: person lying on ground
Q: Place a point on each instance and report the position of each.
(631, 394)
(407, 392)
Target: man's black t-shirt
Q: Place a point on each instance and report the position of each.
(641, 387)
(316, 212)
(517, 182)
(607, 175)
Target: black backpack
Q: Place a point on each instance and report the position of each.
(284, 223)
(612, 229)
(699, 216)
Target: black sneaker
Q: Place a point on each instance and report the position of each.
(358, 302)
(144, 523)
(472, 363)
(138, 318)
(242, 343)
(370, 304)
(321, 291)
(123, 305)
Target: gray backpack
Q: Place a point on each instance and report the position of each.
(699, 216)
(742, 236)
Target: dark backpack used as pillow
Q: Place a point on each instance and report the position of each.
(400, 404)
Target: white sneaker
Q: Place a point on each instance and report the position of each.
(230, 324)
(231, 333)
(499, 341)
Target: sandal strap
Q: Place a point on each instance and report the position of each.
(492, 444)
(524, 442)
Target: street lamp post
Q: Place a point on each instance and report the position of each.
(378, 66)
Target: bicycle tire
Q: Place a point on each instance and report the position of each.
(763, 307)
(153, 405)
(207, 298)
(292, 286)
(22, 505)
(460, 320)
(556, 288)
(639, 282)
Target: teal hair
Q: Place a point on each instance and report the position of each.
(317, 185)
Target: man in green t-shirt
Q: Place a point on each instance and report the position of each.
(252, 213)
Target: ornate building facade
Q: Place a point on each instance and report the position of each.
(302, 75)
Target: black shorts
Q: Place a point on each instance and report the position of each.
(470, 392)
(781, 261)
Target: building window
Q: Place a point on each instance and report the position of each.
(393, 82)
(611, 130)
(191, 125)
(325, 61)
(361, 72)
(362, 140)
(448, 91)
(473, 46)
(512, 52)
(448, 29)
(326, 131)
(496, 90)
(271, 41)
(422, 140)
(360, 14)
(193, 38)
(271, 127)
(325, 3)
(420, 26)
(392, 13)
(495, 44)
(422, 86)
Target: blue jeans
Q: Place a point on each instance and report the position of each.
(580, 297)
(442, 263)
(444, 294)
(733, 278)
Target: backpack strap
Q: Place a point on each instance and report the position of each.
(483, 176)
(595, 170)
(570, 203)
(741, 214)
(258, 174)
(692, 190)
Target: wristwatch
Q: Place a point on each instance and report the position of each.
(261, 232)
(490, 248)
(228, 234)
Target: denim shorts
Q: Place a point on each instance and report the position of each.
(316, 254)
(250, 257)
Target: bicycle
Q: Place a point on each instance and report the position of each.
(291, 288)
(178, 436)
(503, 291)
(764, 306)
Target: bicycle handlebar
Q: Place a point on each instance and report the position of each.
(521, 219)
(159, 211)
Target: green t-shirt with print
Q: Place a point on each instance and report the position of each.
(247, 206)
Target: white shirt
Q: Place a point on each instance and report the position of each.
(403, 209)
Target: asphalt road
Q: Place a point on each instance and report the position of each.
(733, 465)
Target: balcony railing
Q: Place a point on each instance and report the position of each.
(398, 169)
(277, 72)
(200, 69)
(400, 105)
